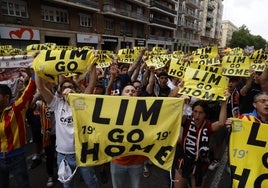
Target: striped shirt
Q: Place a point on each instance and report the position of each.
(13, 121)
(253, 116)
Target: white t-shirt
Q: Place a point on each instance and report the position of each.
(64, 125)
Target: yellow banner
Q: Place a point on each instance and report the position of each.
(204, 84)
(258, 59)
(177, 67)
(236, 51)
(50, 63)
(177, 54)
(159, 50)
(209, 61)
(127, 55)
(156, 61)
(248, 151)
(105, 58)
(107, 127)
(234, 65)
(38, 47)
(209, 52)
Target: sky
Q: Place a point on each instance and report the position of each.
(252, 13)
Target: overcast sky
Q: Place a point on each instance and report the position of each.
(252, 13)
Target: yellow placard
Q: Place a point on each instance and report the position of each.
(156, 61)
(234, 65)
(50, 63)
(209, 52)
(38, 47)
(127, 55)
(204, 85)
(258, 59)
(248, 154)
(104, 58)
(236, 51)
(134, 126)
(177, 67)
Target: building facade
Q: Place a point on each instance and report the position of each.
(227, 31)
(111, 24)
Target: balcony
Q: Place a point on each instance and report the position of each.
(181, 23)
(167, 10)
(191, 14)
(193, 3)
(181, 10)
(191, 26)
(163, 23)
(85, 4)
(210, 15)
(141, 2)
(211, 6)
(123, 13)
(209, 25)
(154, 37)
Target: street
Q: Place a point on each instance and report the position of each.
(159, 178)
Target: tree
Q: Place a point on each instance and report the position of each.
(242, 38)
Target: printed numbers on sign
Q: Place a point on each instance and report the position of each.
(88, 129)
(162, 135)
(239, 153)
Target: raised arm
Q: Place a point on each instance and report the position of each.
(113, 72)
(137, 62)
(150, 86)
(44, 90)
(243, 91)
(92, 80)
(223, 114)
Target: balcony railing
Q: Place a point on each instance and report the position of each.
(124, 12)
(163, 22)
(90, 3)
(194, 3)
(155, 37)
(162, 7)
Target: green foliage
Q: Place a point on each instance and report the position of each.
(242, 38)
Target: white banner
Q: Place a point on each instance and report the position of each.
(17, 61)
(19, 33)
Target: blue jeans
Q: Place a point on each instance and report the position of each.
(88, 173)
(122, 174)
(17, 166)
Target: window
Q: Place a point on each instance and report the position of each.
(14, 8)
(85, 20)
(54, 15)
(109, 24)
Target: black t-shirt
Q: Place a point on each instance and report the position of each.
(245, 105)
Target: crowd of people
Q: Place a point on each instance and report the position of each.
(43, 105)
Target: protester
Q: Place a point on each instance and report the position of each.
(122, 75)
(127, 171)
(65, 145)
(192, 155)
(158, 84)
(260, 112)
(33, 120)
(220, 139)
(13, 135)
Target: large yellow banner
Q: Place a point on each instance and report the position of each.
(107, 127)
(248, 152)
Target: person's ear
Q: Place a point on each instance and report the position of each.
(254, 104)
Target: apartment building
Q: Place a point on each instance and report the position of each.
(227, 31)
(211, 22)
(106, 24)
